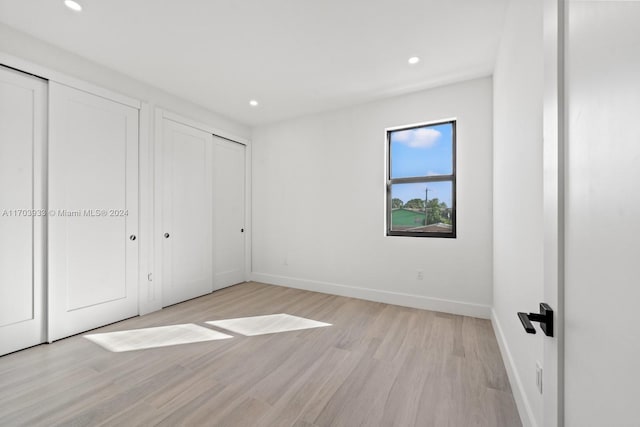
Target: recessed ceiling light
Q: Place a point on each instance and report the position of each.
(253, 103)
(73, 5)
(414, 60)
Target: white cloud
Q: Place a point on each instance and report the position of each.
(403, 135)
(418, 138)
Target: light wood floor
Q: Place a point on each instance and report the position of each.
(377, 365)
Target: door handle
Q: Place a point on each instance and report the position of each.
(166, 235)
(545, 318)
(242, 230)
(132, 237)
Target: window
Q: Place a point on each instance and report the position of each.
(421, 180)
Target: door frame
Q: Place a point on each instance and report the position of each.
(154, 287)
(554, 140)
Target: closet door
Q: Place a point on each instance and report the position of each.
(229, 213)
(186, 212)
(93, 192)
(22, 144)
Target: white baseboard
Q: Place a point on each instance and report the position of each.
(524, 407)
(396, 298)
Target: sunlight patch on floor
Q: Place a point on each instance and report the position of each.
(162, 336)
(269, 324)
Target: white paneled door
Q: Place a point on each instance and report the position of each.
(229, 213)
(186, 162)
(93, 205)
(23, 113)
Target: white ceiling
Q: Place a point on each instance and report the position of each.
(293, 56)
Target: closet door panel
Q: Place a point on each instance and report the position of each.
(16, 193)
(95, 179)
(187, 270)
(229, 213)
(93, 190)
(22, 144)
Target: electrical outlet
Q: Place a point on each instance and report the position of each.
(539, 377)
(420, 275)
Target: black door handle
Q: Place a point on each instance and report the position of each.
(545, 317)
(526, 323)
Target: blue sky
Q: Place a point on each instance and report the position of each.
(422, 151)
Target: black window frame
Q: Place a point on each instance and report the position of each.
(423, 179)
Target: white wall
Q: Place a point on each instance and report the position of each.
(602, 290)
(319, 197)
(39, 52)
(517, 199)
